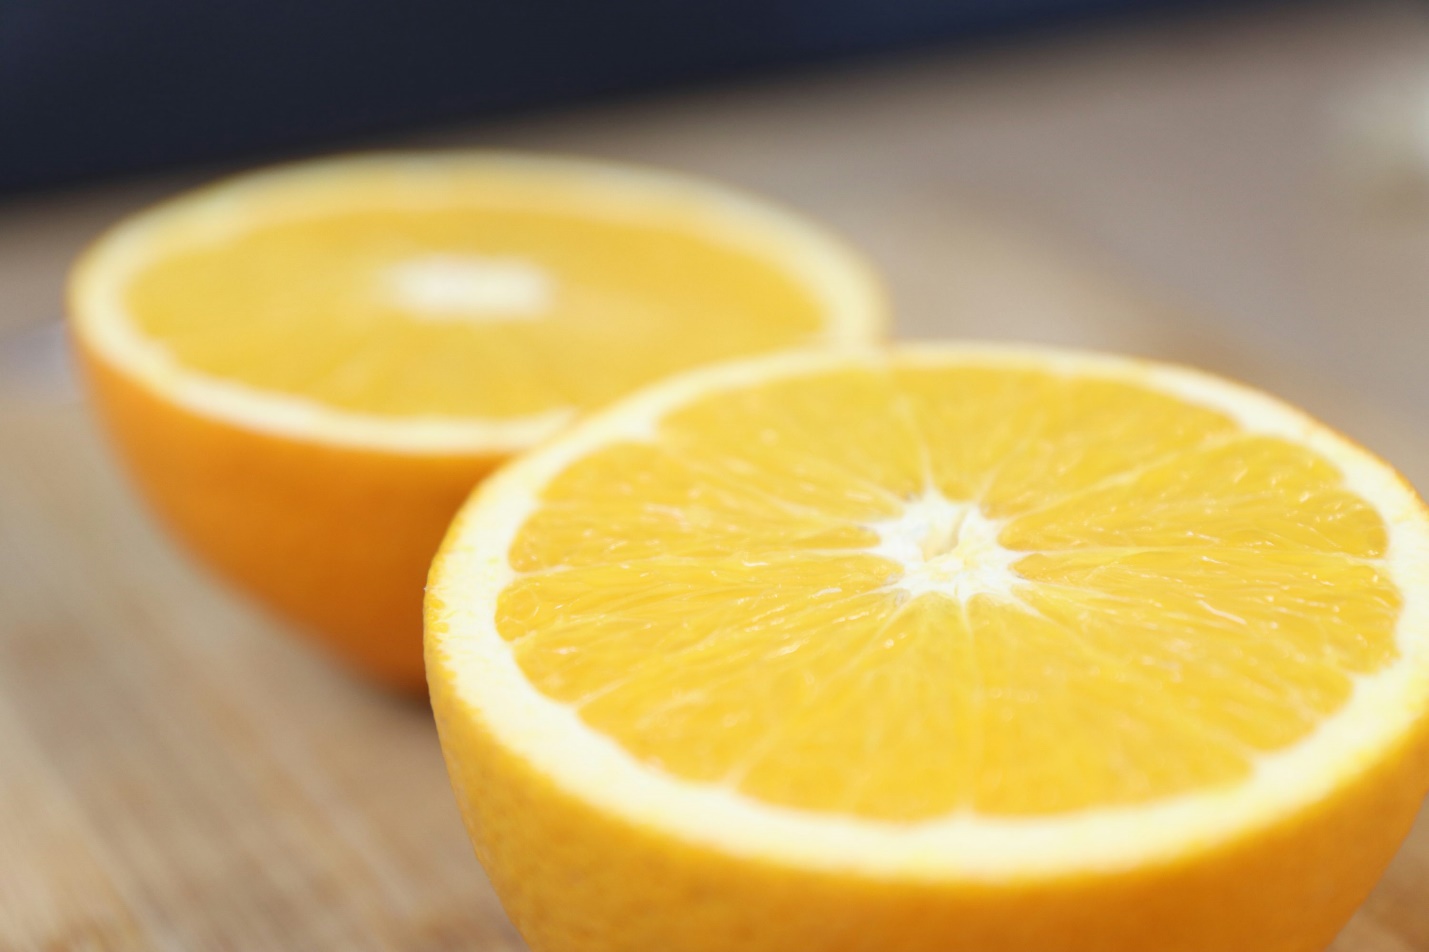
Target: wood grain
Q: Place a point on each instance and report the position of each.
(178, 774)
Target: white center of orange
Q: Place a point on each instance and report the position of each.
(949, 548)
(450, 287)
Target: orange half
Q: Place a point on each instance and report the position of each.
(952, 647)
(308, 368)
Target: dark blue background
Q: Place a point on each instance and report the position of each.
(96, 87)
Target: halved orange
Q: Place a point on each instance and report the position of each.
(307, 369)
(944, 648)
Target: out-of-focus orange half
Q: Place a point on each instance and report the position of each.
(949, 648)
(307, 369)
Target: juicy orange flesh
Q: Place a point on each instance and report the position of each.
(1189, 596)
(303, 305)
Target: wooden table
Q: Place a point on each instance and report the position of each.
(178, 774)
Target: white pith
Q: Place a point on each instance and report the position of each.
(473, 569)
(849, 294)
(949, 548)
(448, 287)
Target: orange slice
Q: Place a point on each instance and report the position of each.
(949, 648)
(307, 369)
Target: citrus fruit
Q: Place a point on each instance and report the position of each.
(941, 649)
(307, 369)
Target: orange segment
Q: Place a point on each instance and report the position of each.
(1013, 439)
(1249, 492)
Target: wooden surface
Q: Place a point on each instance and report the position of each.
(177, 774)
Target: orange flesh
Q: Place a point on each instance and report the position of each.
(1185, 596)
(303, 306)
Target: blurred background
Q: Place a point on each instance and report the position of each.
(1240, 186)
